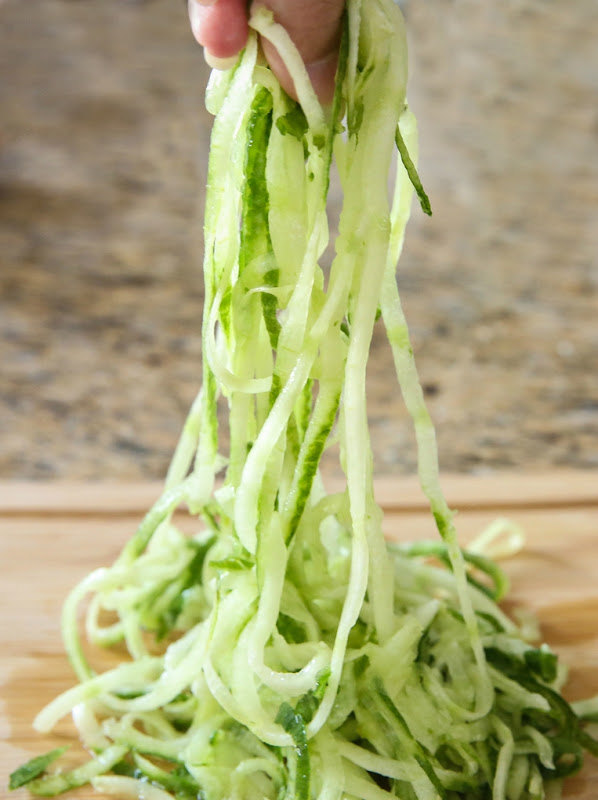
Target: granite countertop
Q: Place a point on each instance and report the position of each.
(103, 146)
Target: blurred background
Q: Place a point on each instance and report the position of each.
(103, 149)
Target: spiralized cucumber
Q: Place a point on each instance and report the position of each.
(286, 650)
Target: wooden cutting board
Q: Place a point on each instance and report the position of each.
(52, 535)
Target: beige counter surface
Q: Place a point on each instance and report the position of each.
(103, 143)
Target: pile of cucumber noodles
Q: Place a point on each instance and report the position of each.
(286, 651)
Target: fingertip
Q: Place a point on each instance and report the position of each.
(221, 27)
(321, 73)
(314, 27)
(277, 66)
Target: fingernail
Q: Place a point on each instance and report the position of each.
(219, 63)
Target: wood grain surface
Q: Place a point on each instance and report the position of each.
(52, 535)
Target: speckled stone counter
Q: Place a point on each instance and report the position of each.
(103, 146)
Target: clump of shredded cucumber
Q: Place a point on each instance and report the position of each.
(286, 651)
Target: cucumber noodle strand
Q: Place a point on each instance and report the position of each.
(284, 649)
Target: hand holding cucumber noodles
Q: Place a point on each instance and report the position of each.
(286, 650)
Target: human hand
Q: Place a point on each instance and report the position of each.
(221, 26)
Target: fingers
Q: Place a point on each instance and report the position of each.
(221, 27)
(315, 28)
(321, 74)
(313, 25)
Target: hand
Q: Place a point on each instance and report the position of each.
(314, 26)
